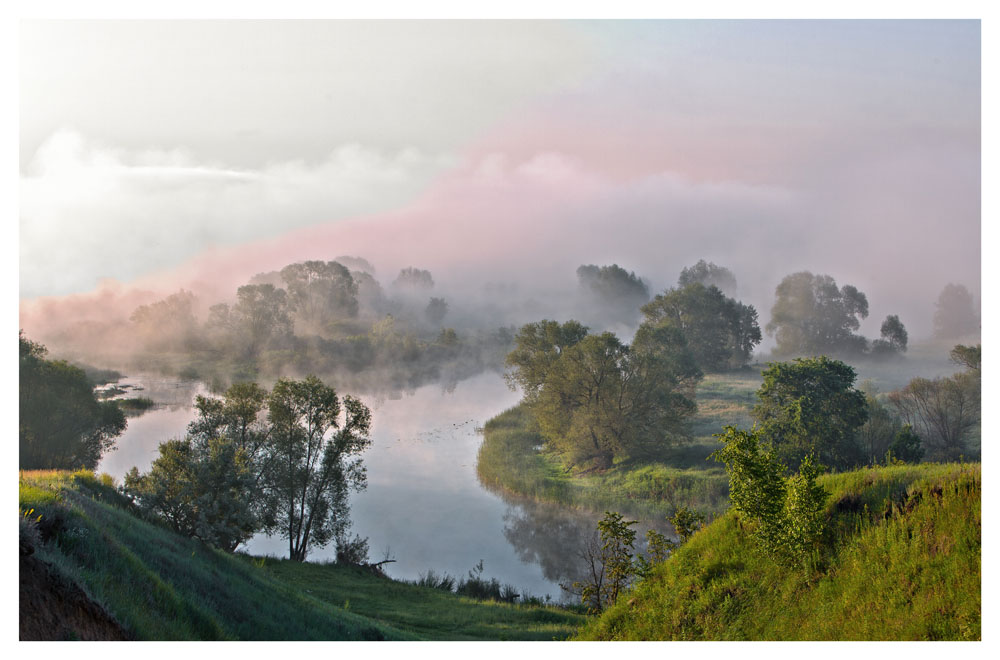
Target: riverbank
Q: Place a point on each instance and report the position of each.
(153, 584)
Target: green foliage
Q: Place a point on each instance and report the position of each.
(686, 522)
(708, 274)
(805, 512)
(313, 469)
(611, 563)
(880, 429)
(61, 423)
(970, 357)
(906, 446)
(721, 332)
(596, 398)
(904, 564)
(810, 406)
(812, 316)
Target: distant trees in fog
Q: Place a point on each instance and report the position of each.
(617, 293)
(955, 314)
(413, 278)
(708, 274)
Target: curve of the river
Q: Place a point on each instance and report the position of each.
(423, 503)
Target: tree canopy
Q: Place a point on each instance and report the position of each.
(319, 292)
(812, 316)
(955, 314)
(708, 274)
(810, 406)
(721, 332)
(61, 424)
(618, 292)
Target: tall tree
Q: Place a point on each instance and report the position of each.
(893, 340)
(319, 292)
(316, 442)
(810, 406)
(708, 274)
(720, 331)
(812, 316)
(617, 292)
(955, 314)
(259, 315)
(536, 348)
(61, 424)
(945, 412)
(167, 324)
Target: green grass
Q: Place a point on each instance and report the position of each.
(162, 586)
(902, 561)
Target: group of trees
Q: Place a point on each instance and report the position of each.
(61, 424)
(812, 316)
(254, 461)
(616, 292)
(596, 398)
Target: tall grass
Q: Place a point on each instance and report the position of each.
(902, 562)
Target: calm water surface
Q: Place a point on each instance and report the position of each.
(424, 504)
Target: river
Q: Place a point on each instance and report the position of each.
(424, 504)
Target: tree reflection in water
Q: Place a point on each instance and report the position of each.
(554, 537)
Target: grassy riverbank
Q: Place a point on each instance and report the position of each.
(512, 458)
(158, 585)
(902, 561)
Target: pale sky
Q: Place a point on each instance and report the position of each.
(845, 147)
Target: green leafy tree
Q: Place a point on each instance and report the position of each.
(601, 398)
(906, 446)
(61, 424)
(810, 406)
(259, 316)
(202, 488)
(686, 522)
(320, 292)
(970, 357)
(316, 442)
(537, 346)
(811, 316)
(893, 340)
(611, 561)
(786, 516)
(880, 429)
(708, 274)
(955, 313)
(721, 332)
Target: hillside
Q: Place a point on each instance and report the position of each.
(130, 578)
(902, 561)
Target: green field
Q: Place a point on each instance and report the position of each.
(162, 586)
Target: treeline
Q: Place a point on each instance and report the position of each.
(332, 318)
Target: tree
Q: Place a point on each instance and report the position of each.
(787, 516)
(970, 357)
(61, 424)
(893, 340)
(537, 346)
(610, 561)
(708, 274)
(721, 332)
(436, 310)
(810, 406)
(413, 278)
(616, 290)
(168, 324)
(601, 399)
(879, 431)
(320, 292)
(686, 522)
(812, 316)
(259, 315)
(202, 488)
(944, 412)
(906, 446)
(315, 442)
(955, 314)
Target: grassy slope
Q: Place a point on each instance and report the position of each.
(912, 575)
(511, 459)
(161, 586)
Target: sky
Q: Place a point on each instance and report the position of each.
(160, 154)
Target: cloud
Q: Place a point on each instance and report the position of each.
(90, 211)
